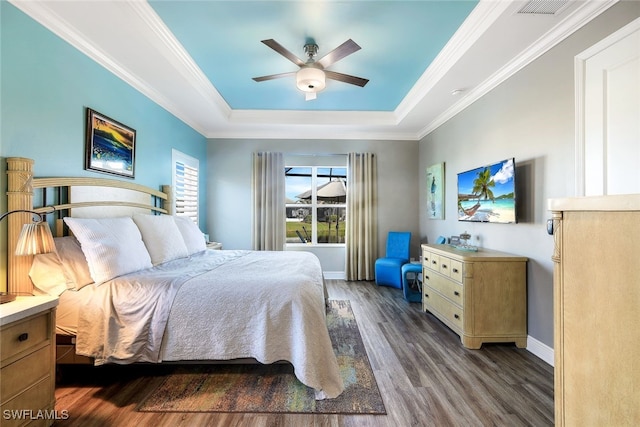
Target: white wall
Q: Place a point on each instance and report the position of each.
(529, 117)
(229, 188)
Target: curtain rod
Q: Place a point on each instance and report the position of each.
(315, 154)
(323, 154)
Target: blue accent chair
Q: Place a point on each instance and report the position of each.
(411, 295)
(389, 268)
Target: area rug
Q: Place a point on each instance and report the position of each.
(274, 388)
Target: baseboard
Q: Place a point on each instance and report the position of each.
(540, 349)
(334, 275)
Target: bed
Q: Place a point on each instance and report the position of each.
(136, 284)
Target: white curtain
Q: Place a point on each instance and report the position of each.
(269, 232)
(362, 224)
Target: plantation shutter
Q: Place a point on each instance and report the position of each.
(186, 187)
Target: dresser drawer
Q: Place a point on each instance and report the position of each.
(24, 373)
(24, 335)
(426, 259)
(450, 268)
(434, 262)
(449, 313)
(444, 266)
(455, 270)
(450, 289)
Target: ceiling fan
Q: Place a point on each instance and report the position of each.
(312, 75)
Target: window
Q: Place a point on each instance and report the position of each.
(316, 205)
(185, 185)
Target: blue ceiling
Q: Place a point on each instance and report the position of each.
(399, 40)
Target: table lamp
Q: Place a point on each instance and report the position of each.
(35, 238)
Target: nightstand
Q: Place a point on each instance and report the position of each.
(27, 360)
(214, 245)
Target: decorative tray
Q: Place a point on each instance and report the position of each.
(467, 248)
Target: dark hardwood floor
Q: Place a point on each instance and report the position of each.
(425, 375)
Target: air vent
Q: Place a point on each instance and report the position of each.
(543, 7)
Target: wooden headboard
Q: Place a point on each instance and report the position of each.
(67, 196)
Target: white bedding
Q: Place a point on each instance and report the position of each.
(216, 305)
(69, 303)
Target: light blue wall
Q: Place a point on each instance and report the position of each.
(46, 85)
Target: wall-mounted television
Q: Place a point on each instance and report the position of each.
(488, 193)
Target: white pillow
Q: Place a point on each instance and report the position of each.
(73, 262)
(47, 274)
(162, 237)
(191, 234)
(112, 246)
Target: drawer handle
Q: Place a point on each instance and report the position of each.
(455, 270)
(426, 277)
(426, 295)
(456, 316)
(456, 293)
(444, 265)
(433, 262)
(23, 337)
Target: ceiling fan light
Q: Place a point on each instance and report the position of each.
(309, 79)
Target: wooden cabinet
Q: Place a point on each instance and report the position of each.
(596, 306)
(27, 361)
(481, 296)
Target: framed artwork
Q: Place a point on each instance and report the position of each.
(488, 193)
(435, 191)
(110, 146)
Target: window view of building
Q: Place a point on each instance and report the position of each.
(316, 204)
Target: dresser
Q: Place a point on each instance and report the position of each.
(27, 361)
(597, 310)
(481, 296)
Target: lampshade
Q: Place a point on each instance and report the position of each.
(35, 238)
(310, 79)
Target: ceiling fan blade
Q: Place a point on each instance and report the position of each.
(358, 81)
(310, 96)
(346, 48)
(274, 76)
(283, 51)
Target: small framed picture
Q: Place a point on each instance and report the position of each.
(110, 146)
(435, 194)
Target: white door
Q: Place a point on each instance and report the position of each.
(608, 115)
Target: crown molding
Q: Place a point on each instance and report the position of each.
(43, 13)
(333, 118)
(371, 125)
(312, 132)
(576, 20)
(198, 104)
(480, 19)
(178, 56)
